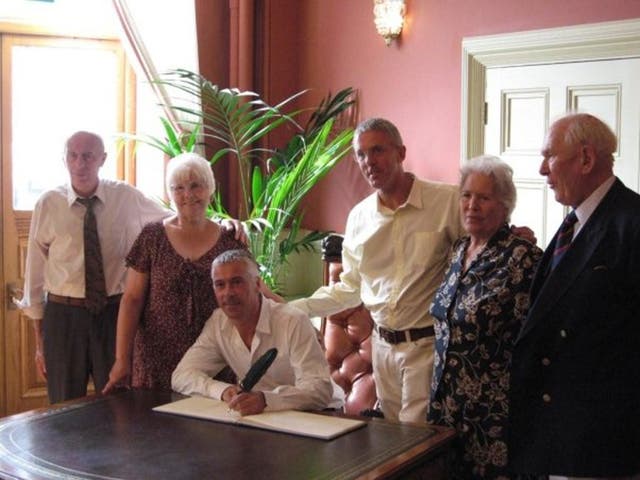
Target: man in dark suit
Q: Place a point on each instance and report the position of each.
(575, 407)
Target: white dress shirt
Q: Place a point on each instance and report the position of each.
(589, 205)
(297, 379)
(393, 261)
(55, 259)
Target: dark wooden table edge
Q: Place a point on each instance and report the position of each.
(417, 454)
(50, 408)
(425, 450)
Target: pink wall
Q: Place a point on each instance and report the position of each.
(415, 83)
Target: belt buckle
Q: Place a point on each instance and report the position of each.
(386, 335)
(392, 336)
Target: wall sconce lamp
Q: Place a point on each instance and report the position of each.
(389, 18)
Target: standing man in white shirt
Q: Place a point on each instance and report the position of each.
(239, 332)
(75, 341)
(394, 254)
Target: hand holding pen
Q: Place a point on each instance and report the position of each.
(244, 403)
(240, 398)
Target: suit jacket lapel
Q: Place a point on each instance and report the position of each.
(546, 290)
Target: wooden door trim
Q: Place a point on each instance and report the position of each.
(4, 150)
(20, 333)
(596, 41)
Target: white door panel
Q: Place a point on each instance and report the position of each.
(523, 101)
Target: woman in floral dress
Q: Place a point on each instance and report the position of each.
(169, 293)
(478, 311)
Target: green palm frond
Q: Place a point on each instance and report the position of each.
(287, 186)
(273, 182)
(174, 143)
(237, 119)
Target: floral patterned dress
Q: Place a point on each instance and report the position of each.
(180, 299)
(478, 315)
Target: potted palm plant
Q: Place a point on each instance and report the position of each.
(273, 181)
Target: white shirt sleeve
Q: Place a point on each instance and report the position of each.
(194, 374)
(32, 302)
(341, 295)
(312, 389)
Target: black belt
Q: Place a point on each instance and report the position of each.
(399, 336)
(78, 302)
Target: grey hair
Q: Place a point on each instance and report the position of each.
(379, 125)
(186, 165)
(585, 129)
(236, 255)
(500, 172)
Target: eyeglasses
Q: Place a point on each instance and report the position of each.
(190, 187)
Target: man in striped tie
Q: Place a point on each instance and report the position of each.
(574, 382)
(79, 236)
(74, 309)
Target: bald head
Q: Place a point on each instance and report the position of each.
(577, 157)
(88, 137)
(84, 156)
(583, 129)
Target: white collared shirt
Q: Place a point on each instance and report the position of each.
(394, 261)
(55, 259)
(297, 379)
(587, 207)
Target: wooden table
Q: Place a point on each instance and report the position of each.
(120, 437)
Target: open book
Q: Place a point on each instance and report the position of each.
(288, 421)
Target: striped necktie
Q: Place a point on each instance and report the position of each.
(95, 293)
(564, 238)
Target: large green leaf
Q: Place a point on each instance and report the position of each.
(286, 187)
(273, 181)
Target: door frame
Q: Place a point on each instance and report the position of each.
(125, 170)
(594, 41)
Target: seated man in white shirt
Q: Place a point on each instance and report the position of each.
(244, 327)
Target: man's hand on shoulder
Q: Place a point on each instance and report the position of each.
(267, 292)
(524, 232)
(236, 225)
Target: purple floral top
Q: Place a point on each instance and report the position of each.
(180, 299)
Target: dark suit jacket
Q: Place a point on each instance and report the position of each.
(575, 384)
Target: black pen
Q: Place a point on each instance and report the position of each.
(258, 369)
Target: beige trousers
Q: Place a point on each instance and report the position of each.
(403, 377)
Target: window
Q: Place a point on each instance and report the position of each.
(57, 86)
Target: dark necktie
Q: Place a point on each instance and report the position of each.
(95, 293)
(564, 238)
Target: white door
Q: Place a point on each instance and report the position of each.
(523, 101)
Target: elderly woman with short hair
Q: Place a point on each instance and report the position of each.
(169, 294)
(478, 311)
